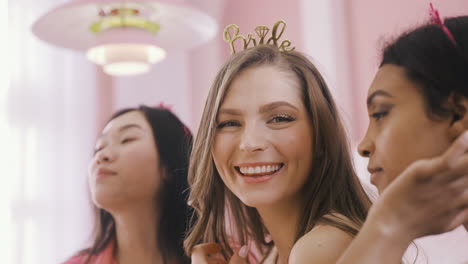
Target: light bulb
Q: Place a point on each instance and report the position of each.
(126, 59)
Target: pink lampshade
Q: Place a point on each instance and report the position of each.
(181, 27)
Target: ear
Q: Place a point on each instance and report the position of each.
(459, 106)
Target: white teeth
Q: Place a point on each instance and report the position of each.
(259, 169)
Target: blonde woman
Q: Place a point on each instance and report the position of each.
(270, 165)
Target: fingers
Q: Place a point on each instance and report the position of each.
(435, 189)
(460, 218)
(457, 168)
(448, 167)
(207, 248)
(460, 166)
(462, 200)
(201, 253)
(241, 256)
(208, 253)
(457, 149)
(236, 259)
(457, 186)
(460, 208)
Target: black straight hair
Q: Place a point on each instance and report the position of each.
(173, 140)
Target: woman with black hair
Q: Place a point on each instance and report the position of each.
(417, 141)
(138, 182)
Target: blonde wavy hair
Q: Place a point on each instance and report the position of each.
(331, 188)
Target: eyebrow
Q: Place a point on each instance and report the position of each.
(129, 126)
(273, 105)
(123, 128)
(229, 111)
(264, 108)
(377, 93)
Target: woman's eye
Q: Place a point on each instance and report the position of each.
(227, 124)
(126, 140)
(379, 115)
(97, 150)
(281, 118)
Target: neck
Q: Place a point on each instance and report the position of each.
(281, 221)
(137, 232)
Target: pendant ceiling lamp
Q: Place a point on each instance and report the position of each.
(125, 37)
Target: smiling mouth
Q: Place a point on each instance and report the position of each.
(259, 171)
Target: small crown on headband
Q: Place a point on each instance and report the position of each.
(262, 31)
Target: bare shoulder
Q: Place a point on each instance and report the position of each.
(323, 244)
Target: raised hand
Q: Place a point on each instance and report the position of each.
(210, 253)
(429, 197)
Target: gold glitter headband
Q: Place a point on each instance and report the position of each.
(231, 34)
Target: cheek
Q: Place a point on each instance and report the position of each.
(399, 146)
(223, 148)
(393, 156)
(295, 144)
(91, 168)
(141, 162)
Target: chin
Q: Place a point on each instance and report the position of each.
(106, 200)
(101, 201)
(381, 187)
(259, 198)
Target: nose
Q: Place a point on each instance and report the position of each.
(366, 146)
(253, 139)
(106, 155)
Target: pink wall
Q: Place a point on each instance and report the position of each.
(104, 98)
(204, 62)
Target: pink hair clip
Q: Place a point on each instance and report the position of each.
(435, 19)
(161, 105)
(164, 106)
(187, 132)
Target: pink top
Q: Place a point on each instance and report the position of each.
(105, 257)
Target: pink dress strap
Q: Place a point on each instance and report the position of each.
(105, 257)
